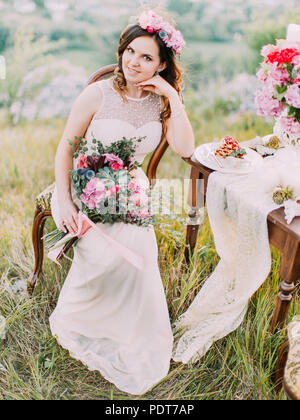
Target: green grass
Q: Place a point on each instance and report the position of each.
(240, 366)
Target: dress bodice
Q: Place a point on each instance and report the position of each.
(117, 119)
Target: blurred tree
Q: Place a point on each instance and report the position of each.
(4, 37)
(260, 33)
(40, 4)
(180, 6)
(27, 54)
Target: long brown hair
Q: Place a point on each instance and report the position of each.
(172, 73)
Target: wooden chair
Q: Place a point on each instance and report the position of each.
(288, 362)
(43, 208)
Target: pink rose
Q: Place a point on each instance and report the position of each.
(82, 162)
(115, 166)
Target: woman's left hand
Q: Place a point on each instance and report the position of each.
(158, 85)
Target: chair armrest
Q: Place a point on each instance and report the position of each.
(43, 200)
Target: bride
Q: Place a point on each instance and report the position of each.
(109, 315)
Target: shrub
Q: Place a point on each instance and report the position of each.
(4, 37)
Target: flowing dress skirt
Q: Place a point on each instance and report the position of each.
(112, 316)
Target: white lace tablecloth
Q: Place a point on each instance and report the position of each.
(237, 206)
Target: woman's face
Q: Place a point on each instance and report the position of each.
(141, 60)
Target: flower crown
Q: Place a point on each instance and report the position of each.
(168, 34)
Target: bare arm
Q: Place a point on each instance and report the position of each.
(180, 133)
(79, 119)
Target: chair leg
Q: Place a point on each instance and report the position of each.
(191, 239)
(283, 301)
(38, 246)
(195, 201)
(280, 365)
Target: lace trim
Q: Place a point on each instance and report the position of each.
(137, 112)
(241, 239)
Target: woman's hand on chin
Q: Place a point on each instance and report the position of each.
(158, 85)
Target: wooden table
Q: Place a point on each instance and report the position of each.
(284, 237)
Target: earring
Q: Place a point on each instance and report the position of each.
(156, 73)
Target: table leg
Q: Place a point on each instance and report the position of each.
(289, 272)
(283, 301)
(195, 199)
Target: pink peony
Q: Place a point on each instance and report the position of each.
(289, 125)
(93, 193)
(292, 96)
(267, 106)
(278, 76)
(262, 76)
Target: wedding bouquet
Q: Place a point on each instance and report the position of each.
(280, 95)
(106, 188)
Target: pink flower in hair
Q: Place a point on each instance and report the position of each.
(169, 35)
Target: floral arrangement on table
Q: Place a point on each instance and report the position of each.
(106, 187)
(280, 95)
(282, 194)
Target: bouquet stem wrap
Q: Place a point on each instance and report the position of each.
(84, 224)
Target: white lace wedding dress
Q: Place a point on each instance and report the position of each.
(110, 315)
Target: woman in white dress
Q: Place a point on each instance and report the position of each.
(110, 315)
